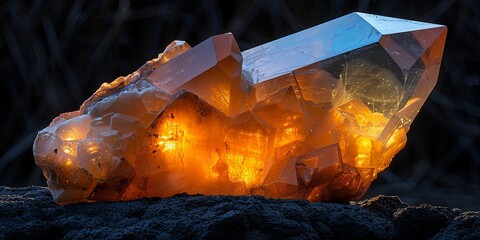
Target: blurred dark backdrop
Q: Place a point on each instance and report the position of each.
(54, 54)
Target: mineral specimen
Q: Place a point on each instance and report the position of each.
(315, 115)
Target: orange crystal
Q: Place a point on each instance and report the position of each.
(314, 115)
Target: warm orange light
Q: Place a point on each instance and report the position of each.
(170, 135)
(93, 149)
(69, 149)
(68, 162)
(282, 120)
(244, 169)
(364, 148)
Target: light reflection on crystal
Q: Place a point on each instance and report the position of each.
(314, 115)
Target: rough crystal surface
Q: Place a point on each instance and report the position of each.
(315, 115)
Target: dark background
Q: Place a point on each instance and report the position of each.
(54, 54)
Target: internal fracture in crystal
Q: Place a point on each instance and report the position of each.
(314, 115)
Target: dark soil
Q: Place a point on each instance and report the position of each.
(30, 213)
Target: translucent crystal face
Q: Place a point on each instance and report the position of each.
(315, 115)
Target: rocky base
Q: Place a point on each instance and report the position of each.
(30, 213)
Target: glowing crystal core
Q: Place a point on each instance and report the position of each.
(315, 115)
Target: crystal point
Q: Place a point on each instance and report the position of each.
(314, 115)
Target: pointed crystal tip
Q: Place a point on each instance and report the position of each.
(313, 115)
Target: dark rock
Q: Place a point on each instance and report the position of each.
(465, 226)
(421, 222)
(29, 213)
(354, 222)
(384, 206)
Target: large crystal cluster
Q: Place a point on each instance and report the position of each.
(315, 115)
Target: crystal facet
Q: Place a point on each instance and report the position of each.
(314, 115)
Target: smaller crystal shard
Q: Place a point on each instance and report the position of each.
(281, 180)
(319, 166)
(283, 112)
(293, 149)
(214, 73)
(246, 162)
(310, 89)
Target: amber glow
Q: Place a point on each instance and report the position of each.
(70, 149)
(241, 169)
(312, 116)
(68, 162)
(173, 133)
(70, 138)
(364, 148)
(93, 149)
(67, 150)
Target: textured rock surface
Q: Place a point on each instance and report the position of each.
(30, 213)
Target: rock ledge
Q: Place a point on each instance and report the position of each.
(30, 213)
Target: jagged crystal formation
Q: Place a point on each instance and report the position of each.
(315, 115)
